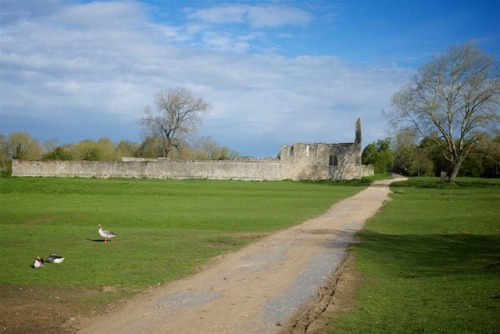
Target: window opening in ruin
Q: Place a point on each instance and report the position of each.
(333, 160)
(291, 150)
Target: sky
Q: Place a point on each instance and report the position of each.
(276, 72)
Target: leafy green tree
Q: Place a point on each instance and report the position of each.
(107, 149)
(58, 154)
(484, 159)
(489, 150)
(472, 166)
(127, 149)
(452, 100)
(204, 148)
(379, 155)
(102, 150)
(20, 145)
(150, 148)
(434, 153)
(369, 155)
(5, 160)
(409, 158)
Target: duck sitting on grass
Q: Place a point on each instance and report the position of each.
(38, 263)
(53, 258)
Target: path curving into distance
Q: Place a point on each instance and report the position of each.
(255, 289)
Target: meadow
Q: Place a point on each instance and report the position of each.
(429, 261)
(166, 229)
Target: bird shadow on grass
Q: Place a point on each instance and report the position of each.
(97, 240)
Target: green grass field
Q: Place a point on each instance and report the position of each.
(165, 228)
(424, 261)
(423, 258)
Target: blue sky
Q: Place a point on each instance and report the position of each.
(275, 72)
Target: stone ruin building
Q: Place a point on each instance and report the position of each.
(295, 162)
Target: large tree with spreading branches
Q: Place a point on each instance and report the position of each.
(177, 115)
(453, 100)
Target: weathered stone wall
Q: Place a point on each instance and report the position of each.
(323, 161)
(152, 169)
(222, 170)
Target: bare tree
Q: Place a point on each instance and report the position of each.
(177, 115)
(452, 100)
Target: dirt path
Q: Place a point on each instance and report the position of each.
(254, 290)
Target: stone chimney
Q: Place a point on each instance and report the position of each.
(358, 132)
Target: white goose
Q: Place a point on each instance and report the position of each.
(105, 234)
(38, 263)
(53, 258)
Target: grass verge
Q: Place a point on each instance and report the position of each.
(430, 261)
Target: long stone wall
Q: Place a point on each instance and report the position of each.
(217, 170)
(238, 170)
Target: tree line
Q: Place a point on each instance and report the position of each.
(21, 145)
(403, 155)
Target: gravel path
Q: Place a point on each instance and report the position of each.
(254, 290)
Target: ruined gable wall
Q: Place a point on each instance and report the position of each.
(323, 161)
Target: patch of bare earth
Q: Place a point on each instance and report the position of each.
(34, 310)
(28, 310)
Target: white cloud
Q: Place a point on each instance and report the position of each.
(255, 16)
(61, 68)
(273, 16)
(221, 14)
(100, 15)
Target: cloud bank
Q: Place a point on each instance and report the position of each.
(87, 70)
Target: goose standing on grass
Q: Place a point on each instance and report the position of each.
(53, 258)
(105, 234)
(38, 263)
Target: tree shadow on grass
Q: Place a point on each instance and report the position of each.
(434, 254)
